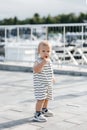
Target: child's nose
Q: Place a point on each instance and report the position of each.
(46, 53)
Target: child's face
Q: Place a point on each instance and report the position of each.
(45, 51)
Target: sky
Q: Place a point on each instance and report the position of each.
(27, 8)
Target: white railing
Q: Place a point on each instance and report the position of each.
(19, 41)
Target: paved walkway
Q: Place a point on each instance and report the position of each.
(17, 103)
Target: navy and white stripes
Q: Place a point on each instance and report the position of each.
(43, 82)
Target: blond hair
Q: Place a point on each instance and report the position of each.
(43, 43)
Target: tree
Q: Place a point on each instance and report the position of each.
(15, 20)
(36, 18)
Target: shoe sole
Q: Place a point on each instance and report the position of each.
(48, 115)
(35, 120)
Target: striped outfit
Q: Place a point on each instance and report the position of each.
(43, 82)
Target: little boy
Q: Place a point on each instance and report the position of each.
(43, 77)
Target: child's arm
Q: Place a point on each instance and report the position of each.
(39, 66)
(53, 79)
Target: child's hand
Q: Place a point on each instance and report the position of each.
(54, 80)
(46, 59)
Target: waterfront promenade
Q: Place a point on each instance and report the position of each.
(17, 102)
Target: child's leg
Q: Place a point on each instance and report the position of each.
(39, 105)
(45, 109)
(45, 105)
(38, 115)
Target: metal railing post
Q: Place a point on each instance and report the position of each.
(82, 43)
(64, 41)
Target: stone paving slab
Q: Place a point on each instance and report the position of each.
(17, 103)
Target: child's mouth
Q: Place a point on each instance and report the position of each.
(45, 56)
